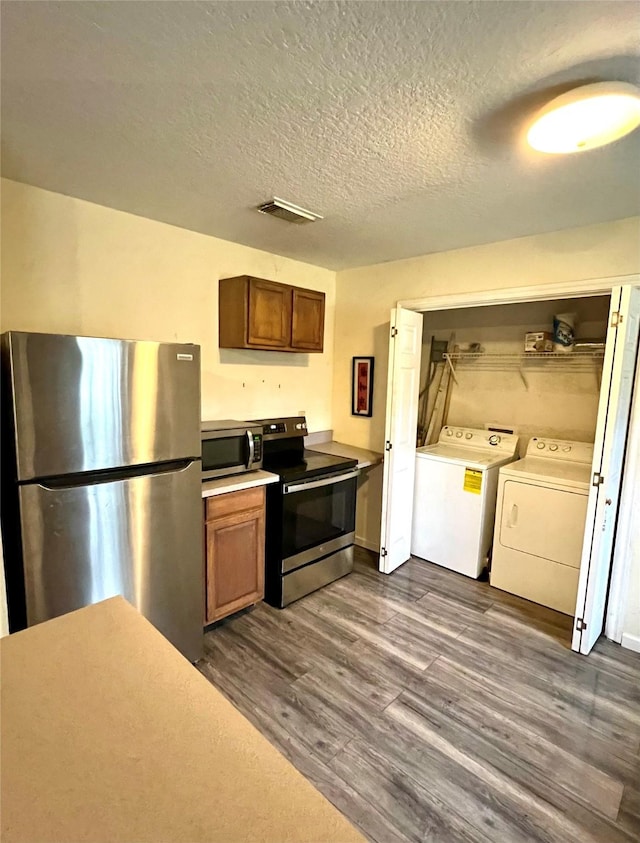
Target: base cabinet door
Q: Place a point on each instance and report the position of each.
(234, 553)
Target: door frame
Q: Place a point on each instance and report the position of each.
(620, 573)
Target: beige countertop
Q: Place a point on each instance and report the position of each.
(339, 449)
(237, 482)
(110, 735)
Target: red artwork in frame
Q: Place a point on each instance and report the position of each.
(362, 386)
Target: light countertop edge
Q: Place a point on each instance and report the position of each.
(365, 457)
(238, 482)
(120, 713)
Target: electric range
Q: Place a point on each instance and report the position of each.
(310, 523)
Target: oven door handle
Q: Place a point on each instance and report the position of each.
(290, 488)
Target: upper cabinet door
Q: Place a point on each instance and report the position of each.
(269, 313)
(308, 320)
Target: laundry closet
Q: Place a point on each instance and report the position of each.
(507, 416)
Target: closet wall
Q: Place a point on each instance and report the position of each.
(561, 399)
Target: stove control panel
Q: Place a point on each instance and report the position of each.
(283, 428)
(277, 427)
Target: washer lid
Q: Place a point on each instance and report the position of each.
(573, 474)
(478, 458)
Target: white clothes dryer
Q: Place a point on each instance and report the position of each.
(540, 520)
(455, 497)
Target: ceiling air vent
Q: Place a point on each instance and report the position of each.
(288, 211)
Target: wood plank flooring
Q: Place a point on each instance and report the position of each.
(429, 707)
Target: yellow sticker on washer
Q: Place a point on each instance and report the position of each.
(472, 481)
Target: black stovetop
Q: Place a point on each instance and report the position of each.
(305, 464)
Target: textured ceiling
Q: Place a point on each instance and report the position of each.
(398, 121)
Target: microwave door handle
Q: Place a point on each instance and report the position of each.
(290, 488)
(252, 451)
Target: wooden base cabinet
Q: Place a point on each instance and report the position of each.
(234, 552)
(267, 315)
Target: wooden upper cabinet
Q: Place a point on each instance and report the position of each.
(266, 315)
(269, 314)
(307, 327)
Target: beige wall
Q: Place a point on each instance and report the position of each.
(70, 266)
(364, 297)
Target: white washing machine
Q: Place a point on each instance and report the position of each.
(455, 497)
(540, 519)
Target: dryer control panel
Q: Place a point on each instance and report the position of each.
(566, 450)
(476, 438)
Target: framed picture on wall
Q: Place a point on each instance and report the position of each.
(362, 386)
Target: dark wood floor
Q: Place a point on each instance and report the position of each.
(430, 707)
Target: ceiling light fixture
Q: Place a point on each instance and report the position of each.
(288, 211)
(586, 117)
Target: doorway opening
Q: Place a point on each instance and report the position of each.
(473, 373)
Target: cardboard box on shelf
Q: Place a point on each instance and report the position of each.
(538, 341)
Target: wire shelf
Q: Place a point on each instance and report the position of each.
(565, 356)
(574, 361)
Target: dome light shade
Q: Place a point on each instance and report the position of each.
(586, 117)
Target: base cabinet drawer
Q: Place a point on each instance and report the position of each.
(219, 506)
(234, 552)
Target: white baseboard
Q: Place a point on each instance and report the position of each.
(631, 642)
(362, 542)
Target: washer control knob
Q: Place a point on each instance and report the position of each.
(468, 436)
(540, 445)
(553, 447)
(449, 432)
(566, 449)
(458, 434)
(494, 439)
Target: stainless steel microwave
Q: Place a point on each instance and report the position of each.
(230, 447)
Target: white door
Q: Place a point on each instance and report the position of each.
(609, 448)
(405, 350)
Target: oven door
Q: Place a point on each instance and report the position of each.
(318, 518)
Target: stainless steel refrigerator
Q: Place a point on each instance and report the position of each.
(102, 480)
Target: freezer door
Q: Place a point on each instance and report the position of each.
(140, 537)
(86, 404)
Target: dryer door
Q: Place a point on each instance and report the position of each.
(544, 522)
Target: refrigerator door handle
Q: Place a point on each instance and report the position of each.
(111, 475)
